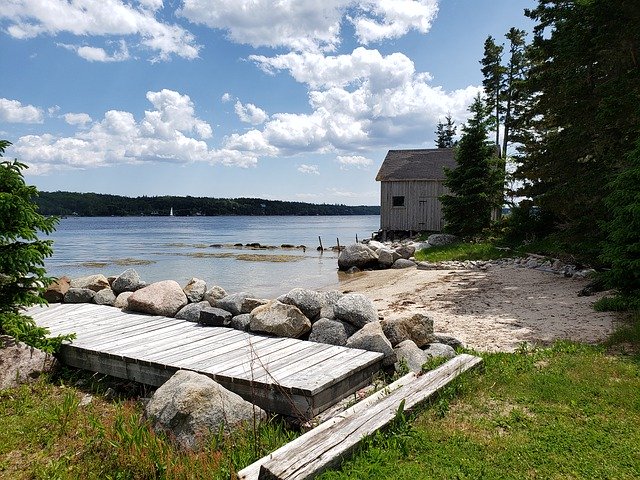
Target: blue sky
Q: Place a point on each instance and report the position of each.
(289, 100)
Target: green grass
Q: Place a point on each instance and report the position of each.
(463, 251)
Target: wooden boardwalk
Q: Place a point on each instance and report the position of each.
(282, 375)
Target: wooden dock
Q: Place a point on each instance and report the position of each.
(283, 375)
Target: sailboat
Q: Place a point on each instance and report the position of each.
(171, 212)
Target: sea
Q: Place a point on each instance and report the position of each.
(214, 249)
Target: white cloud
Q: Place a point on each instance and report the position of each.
(308, 169)
(31, 18)
(12, 111)
(249, 113)
(97, 54)
(226, 97)
(77, 118)
(357, 161)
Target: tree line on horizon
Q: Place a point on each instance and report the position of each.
(104, 205)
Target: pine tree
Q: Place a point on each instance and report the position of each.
(476, 183)
(445, 133)
(493, 73)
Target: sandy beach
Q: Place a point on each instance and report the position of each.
(493, 310)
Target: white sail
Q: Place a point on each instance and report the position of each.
(171, 212)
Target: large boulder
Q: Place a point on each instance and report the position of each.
(441, 239)
(439, 350)
(79, 295)
(195, 290)
(417, 328)
(92, 282)
(191, 311)
(277, 318)
(127, 281)
(453, 342)
(55, 292)
(357, 309)
(308, 301)
(122, 300)
(406, 251)
(191, 407)
(371, 337)
(161, 298)
(233, 303)
(386, 257)
(357, 255)
(409, 354)
(249, 304)
(329, 301)
(333, 332)
(240, 322)
(20, 363)
(105, 297)
(214, 294)
(403, 263)
(214, 317)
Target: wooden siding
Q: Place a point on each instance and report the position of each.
(422, 209)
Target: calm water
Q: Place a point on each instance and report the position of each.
(179, 248)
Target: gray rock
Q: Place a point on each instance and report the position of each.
(92, 282)
(411, 355)
(308, 301)
(447, 340)
(233, 303)
(214, 317)
(249, 304)
(402, 263)
(191, 311)
(421, 246)
(279, 319)
(127, 281)
(375, 245)
(441, 239)
(418, 328)
(55, 292)
(161, 298)
(122, 300)
(329, 301)
(241, 322)
(105, 297)
(386, 257)
(352, 270)
(356, 309)
(195, 290)
(213, 294)
(191, 407)
(332, 332)
(371, 337)
(439, 350)
(20, 363)
(357, 255)
(405, 251)
(79, 295)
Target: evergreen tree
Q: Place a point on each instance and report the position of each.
(445, 133)
(476, 183)
(493, 73)
(514, 74)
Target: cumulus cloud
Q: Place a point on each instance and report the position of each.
(357, 161)
(226, 97)
(31, 18)
(77, 118)
(308, 169)
(12, 111)
(249, 113)
(97, 54)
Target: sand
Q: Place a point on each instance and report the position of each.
(494, 310)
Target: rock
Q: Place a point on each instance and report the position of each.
(441, 239)
(127, 281)
(279, 319)
(417, 328)
(122, 300)
(92, 282)
(241, 322)
(405, 251)
(352, 270)
(214, 317)
(333, 332)
(439, 350)
(195, 290)
(371, 338)
(408, 353)
(79, 295)
(447, 340)
(421, 246)
(357, 255)
(427, 266)
(105, 297)
(20, 363)
(249, 304)
(233, 303)
(213, 294)
(386, 257)
(356, 309)
(329, 301)
(55, 292)
(402, 263)
(586, 273)
(375, 245)
(161, 298)
(191, 407)
(191, 311)
(308, 301)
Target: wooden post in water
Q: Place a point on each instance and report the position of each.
(356, 238)
(320, 247)
(338, 241)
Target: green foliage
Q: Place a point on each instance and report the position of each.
(463, 251)
(493, 73)
(445, 133)
(525, 223)
(476, 184)
(24, 329)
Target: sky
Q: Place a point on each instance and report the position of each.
(294, 100)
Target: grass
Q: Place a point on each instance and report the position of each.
(462, 252)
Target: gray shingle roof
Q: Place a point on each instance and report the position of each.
(425, 164)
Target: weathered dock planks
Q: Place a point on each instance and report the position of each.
(282, 375)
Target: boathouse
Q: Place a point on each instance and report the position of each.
(411, 182)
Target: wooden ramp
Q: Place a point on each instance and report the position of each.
(282, 375)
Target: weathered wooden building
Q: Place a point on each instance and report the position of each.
(411, 182)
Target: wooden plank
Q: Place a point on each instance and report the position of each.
(84, 319)
(204, 349)
(326, 446)
(139, 337)
(205, 339)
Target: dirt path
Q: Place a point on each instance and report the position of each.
(493, 310)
